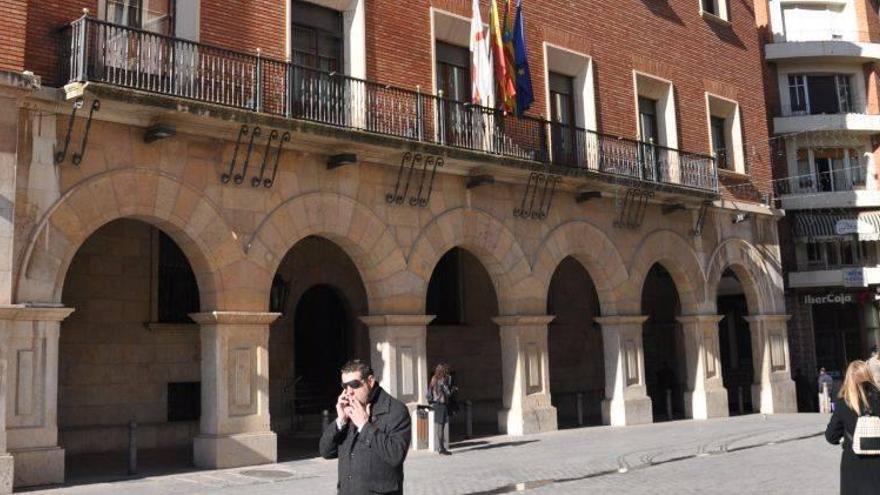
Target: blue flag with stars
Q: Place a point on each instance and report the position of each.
(524, 93)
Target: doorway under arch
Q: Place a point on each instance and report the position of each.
(735, 343)
(665, 365)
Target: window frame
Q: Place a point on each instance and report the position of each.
(720, 10)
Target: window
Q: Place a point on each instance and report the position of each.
(717, 8)
(648, 133)
(178, 292)
(839, 253)
(816, 22)
(453, 72)
(562, 116)
(316, 37)
(719, 141)
(819, 94)
(156, 16)
(828, 170)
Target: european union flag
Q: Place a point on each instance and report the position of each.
(524, 93)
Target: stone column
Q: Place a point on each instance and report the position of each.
(400, 360)
(773, 390)
(526, 374)
(30, 343)
(6, 461)
(626, 395)
(234, 427)
(705, 396)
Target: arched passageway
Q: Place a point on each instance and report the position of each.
(665, 365)
(577, 362)
(320, 295)
(462, 297)
(735, 343)
(128, 353)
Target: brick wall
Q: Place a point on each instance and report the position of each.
(669, 39)
(13, 15)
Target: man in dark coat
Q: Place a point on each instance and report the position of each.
(370, 436)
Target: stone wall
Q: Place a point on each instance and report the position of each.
(113, 368)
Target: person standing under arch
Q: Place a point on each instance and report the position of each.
(440, 391)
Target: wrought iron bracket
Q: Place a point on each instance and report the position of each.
(227, 176)
(408, 164)
(701, 218)
(239, 178)
(61, 155)
(256, 181)
(270, 181)
(541, 188)
(633, 208)
(77, 157)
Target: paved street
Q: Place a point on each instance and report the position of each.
(749, 454)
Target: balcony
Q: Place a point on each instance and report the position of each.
(107, 54)
(834, 118)
(822, 42)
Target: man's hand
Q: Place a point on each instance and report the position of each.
(359, 414)
(342, 408)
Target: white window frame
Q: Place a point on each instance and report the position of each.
(578, 66)
(449, 28)
(354, 33)
(721, 7)
(662, 90)
(729, 110)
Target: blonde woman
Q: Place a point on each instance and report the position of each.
(858, 395)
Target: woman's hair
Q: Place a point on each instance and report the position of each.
(441, 371)
(853, 389)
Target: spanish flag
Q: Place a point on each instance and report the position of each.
(504, 76)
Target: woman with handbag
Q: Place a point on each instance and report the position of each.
(439, 394)
(856, 421)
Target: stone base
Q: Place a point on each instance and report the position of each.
(518, 422)
(706, 404)
(38, 467)
(776, 397)
(244, 449)
(6, 470)
(627, 412)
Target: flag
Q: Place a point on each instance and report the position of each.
(509, 53)
(506, 93)
(524, 94)
(482, 84)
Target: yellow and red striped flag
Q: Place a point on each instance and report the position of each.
(504, 77)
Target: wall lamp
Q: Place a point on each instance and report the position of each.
(159, 131)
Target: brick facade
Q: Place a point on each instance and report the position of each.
(697, 54)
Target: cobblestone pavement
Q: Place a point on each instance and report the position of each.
(749, 454)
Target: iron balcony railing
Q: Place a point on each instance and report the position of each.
(103, 52)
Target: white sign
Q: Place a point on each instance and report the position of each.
(853, 277)
(846, 226)
(840, 298)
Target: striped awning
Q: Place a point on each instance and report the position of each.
(862, 226)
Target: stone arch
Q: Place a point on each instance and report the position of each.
(760, 280)
(361, 234)
(493, 243)
(160, 199)
(678, 258)
(593, 250)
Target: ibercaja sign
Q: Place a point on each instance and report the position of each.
(839, 298)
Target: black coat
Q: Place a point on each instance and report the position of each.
(859, 474)
(371, 461)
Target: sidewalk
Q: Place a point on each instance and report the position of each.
(502, 464)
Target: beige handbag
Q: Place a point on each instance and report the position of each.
(866, 438)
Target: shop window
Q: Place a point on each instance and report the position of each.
(184, 401)
(178, 292)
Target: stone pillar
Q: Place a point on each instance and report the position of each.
(399, 355)
(773, 391)
(234, 427)
(705, 396)
(526, 375)
(30, 344)
(400, 360)
(626, 395)
(6, 461)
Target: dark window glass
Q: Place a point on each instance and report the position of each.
(178, 291)
(156, 16)
(316, 37)
(562, 114)
(797, 93)
(719, 141)
(453, 72)
(710, 7)
(649, 153)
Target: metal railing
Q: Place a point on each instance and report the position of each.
(103, 52)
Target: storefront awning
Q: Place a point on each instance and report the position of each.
(862, 226)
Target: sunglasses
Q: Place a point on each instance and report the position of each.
(353, 384)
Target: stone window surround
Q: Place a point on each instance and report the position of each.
(354, 27)
(663, 91)
(729, 110)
